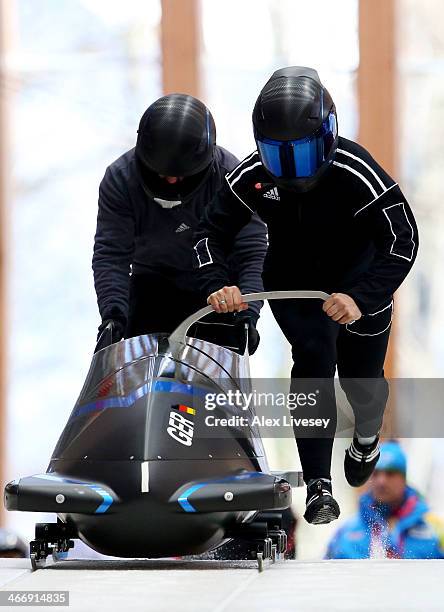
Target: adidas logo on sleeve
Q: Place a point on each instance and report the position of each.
(272, 194)
(182, 227)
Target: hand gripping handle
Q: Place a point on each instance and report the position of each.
(180, 332)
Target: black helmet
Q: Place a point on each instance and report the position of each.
(295, 127)
(176, 137)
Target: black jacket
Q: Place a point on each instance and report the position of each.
(135, 231)
(353, 233)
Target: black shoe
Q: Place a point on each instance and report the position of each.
(360, 461)
(321, 507)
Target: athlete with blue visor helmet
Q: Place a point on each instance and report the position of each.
(337, 222)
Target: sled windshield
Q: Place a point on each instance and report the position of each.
(144, 399)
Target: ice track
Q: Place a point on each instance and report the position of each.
(216, 586)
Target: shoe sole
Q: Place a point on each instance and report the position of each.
(323, 515)
(357, 483)
(357, 480)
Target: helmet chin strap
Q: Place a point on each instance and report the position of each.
(167, 203)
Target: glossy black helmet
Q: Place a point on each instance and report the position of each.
(295, 127)
(176, 136)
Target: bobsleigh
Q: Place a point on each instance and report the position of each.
(131, 475)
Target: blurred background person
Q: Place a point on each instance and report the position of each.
(393, 519)
(11, 546)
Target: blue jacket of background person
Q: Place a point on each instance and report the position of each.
(416, 534)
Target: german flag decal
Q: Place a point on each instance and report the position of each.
(180, 427)
(187, 409)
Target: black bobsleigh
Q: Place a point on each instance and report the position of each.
(131, 477)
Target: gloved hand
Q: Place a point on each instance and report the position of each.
(250, 317)
(115, 333)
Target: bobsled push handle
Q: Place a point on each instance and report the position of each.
(180, 332)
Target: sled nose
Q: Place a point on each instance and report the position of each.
(241, 492)
(53, 493)
(11, 495)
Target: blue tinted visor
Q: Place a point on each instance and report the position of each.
(300, 158)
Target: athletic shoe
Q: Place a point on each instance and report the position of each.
(321, 507)
(360, 461)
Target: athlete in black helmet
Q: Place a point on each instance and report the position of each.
(337, 222)
(150, 201)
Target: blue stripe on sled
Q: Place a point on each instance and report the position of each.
(126, 401)
(183, 499)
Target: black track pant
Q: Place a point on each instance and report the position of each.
(319, 345)
(157, 305)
